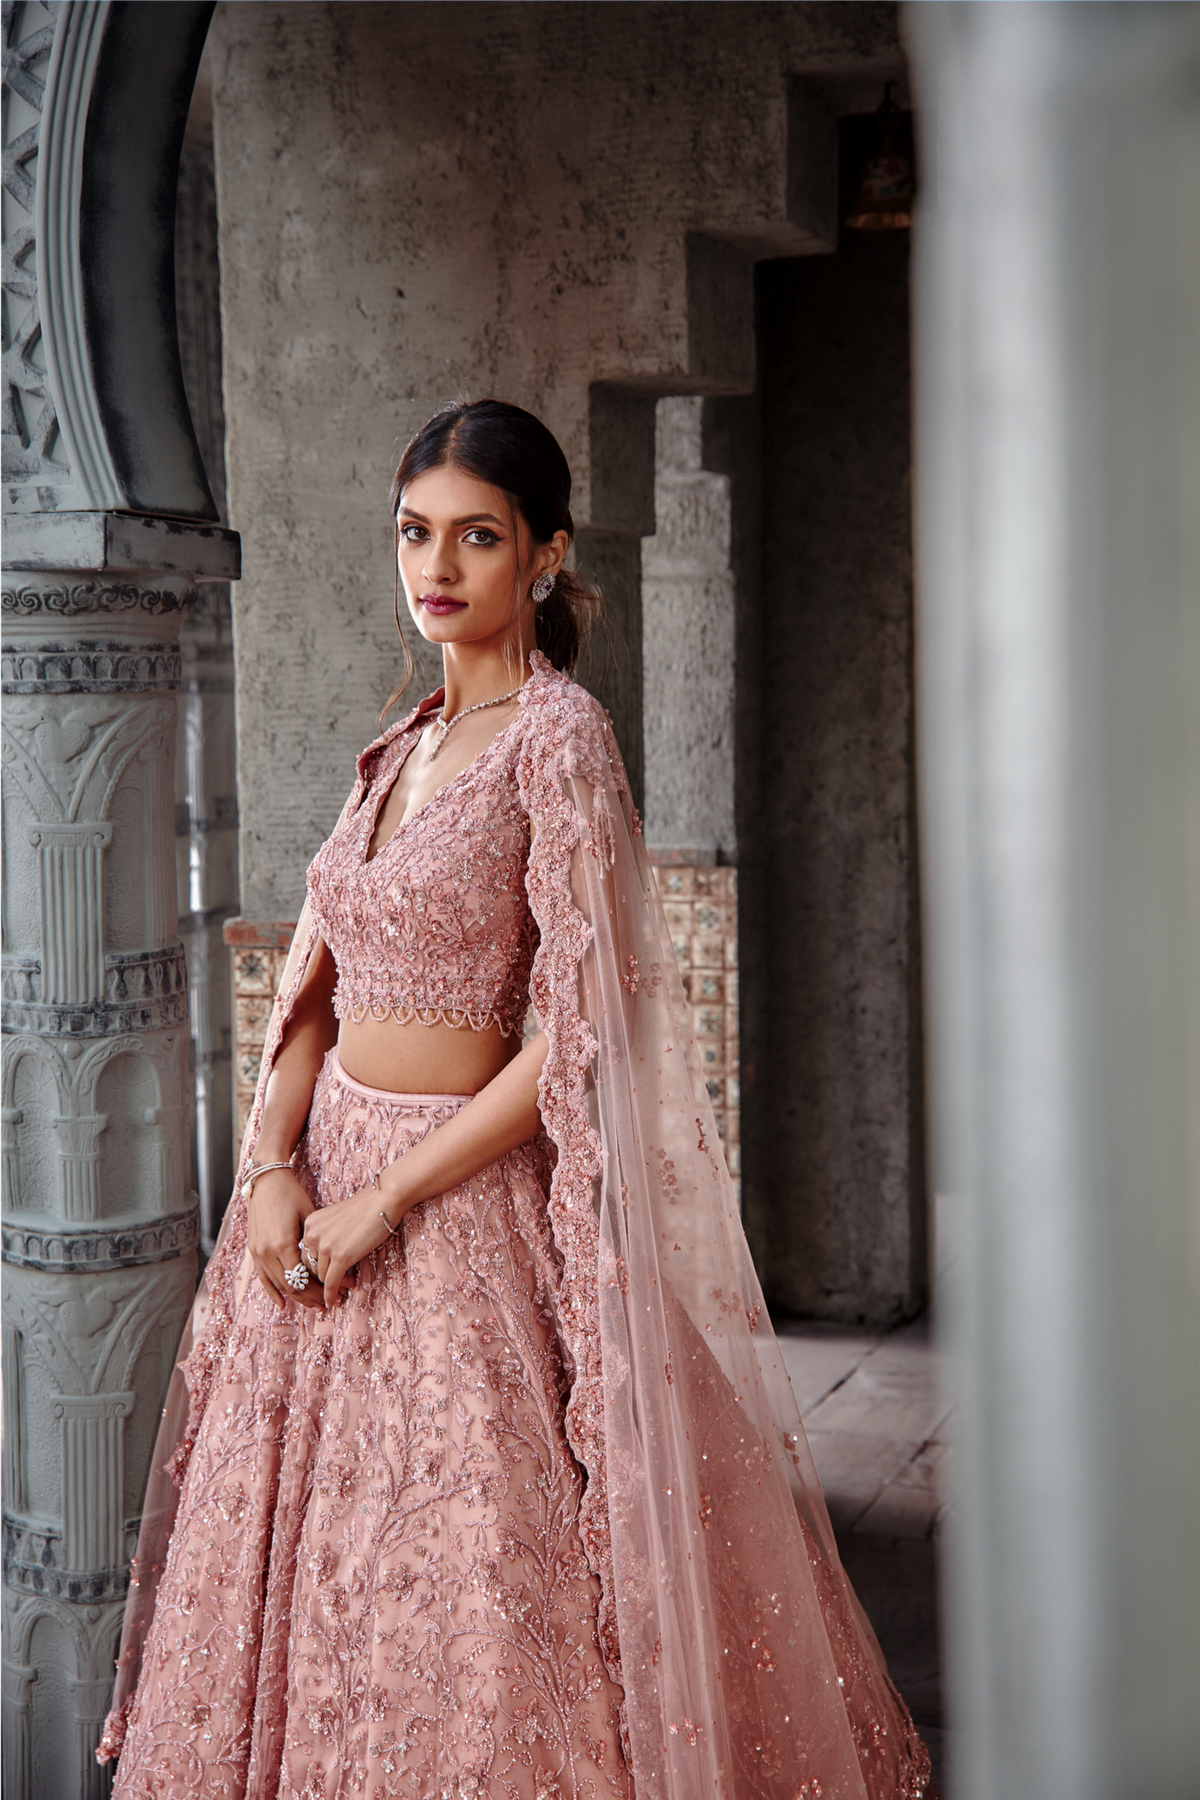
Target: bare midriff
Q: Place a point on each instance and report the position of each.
(423, 1059)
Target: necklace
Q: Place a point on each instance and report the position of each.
(445, 725)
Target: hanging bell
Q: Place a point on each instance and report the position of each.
(885, 200)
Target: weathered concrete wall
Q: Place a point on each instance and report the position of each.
(832, 1086)
(423, 201)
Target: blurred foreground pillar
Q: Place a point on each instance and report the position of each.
(1059, 624)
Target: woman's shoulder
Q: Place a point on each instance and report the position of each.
(549, 694)
(567, 724)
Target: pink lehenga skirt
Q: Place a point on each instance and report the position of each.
(375, 1585)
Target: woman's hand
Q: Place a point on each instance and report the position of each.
(276, 1211)
(338, 1236)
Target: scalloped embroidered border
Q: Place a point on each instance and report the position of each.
(456, 1017)
(565, 936)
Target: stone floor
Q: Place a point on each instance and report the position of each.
(877, 1422)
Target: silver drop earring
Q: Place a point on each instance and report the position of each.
(542, 588)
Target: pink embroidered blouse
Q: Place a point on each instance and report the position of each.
(436, 925)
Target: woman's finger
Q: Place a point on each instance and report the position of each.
(308, 1295)
(335, 1280)
(268, 1285)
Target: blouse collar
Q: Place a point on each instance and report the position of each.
(541, 672)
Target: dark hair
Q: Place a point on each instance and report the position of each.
(511, 450)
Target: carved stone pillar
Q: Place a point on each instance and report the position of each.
(98, 1233)
(109, 527)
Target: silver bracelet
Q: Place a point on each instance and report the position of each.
(392, 1228)
(255, 1170)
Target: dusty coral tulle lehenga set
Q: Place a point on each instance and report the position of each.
(530, 1515)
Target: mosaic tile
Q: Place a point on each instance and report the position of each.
(252, 971)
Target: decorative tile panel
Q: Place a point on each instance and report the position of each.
(700, 903)
(259, 952)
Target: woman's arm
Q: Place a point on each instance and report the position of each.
(501, 1116)
(278, 1203)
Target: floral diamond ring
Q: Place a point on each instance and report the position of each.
(296, 1278)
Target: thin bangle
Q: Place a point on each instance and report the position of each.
(255, 1170)
(392, 1228)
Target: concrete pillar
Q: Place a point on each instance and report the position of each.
(1059, 629)
(689, 663)
(206, 759)
(688, 647)
(108, 527)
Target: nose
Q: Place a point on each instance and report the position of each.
(438, 565)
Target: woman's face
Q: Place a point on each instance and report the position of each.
(466, 571)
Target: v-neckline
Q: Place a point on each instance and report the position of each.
(368, 859)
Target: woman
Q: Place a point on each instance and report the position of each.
(491, 1482)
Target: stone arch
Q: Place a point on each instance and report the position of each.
(34, 1089)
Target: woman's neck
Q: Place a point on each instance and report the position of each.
(471, 674)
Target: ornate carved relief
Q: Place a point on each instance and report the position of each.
(67, 762)
(144, 990)
(78, 1123)
(161, 908)
(18, 1678)
(93, 1478)
(67, 599)
(32, 456)
(124, 1247)
(2, 882)
(88, 1335)
(71, 891)
(79, 1150)
(11, 1118)
(90, 1630)
(31, 1566)
(14, 1423)
(91, 668)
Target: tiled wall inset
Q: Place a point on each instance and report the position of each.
(701, 908)
(259, 953)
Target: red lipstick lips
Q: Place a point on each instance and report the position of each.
(441, 605)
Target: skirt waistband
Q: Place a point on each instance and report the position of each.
(418, 1102)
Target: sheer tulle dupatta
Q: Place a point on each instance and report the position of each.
(749, 1670)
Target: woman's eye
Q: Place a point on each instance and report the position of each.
(480, 535)
(412, 534)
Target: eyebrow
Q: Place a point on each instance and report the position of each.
(470, 519)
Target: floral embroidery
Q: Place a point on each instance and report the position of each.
(435, 928)
(397, 1470)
